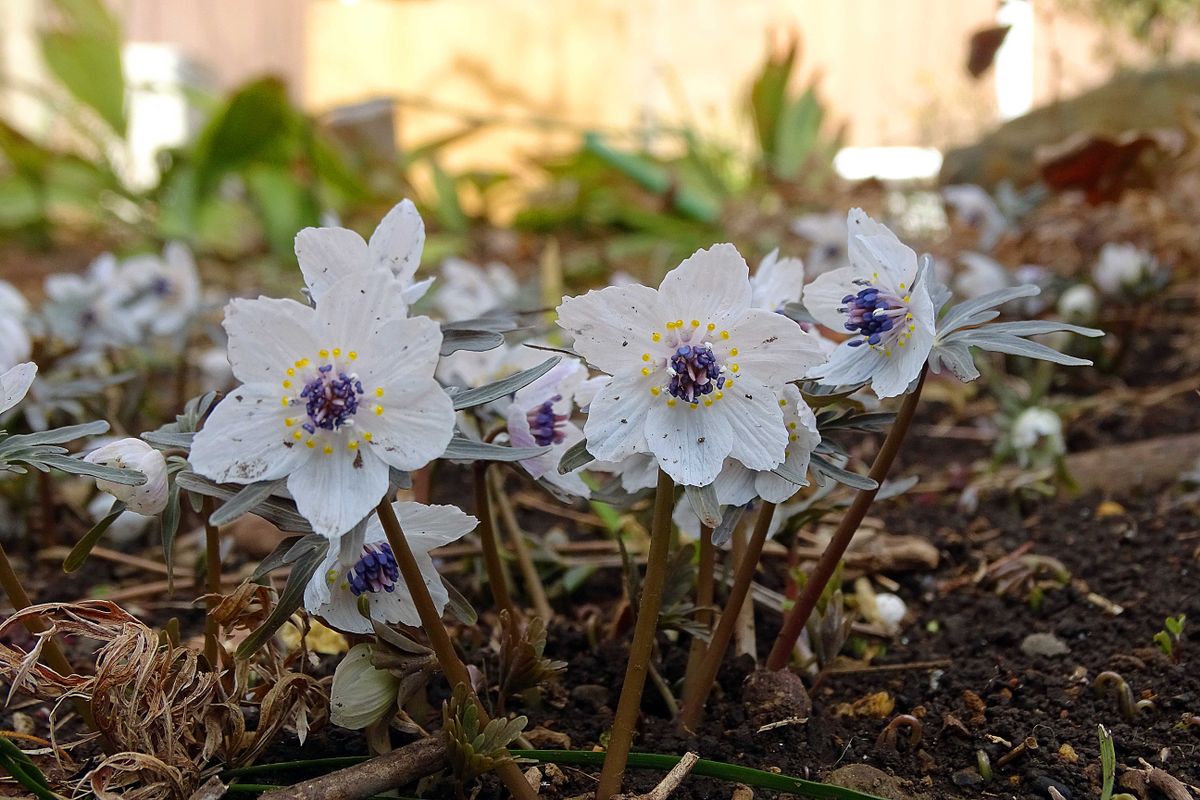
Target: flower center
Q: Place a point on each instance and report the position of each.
(696, 372)
(545, 425)
(880, 317)
(375, 572)
(332, 399)
(331, 395)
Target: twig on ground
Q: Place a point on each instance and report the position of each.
(397, 768)
(669, 783)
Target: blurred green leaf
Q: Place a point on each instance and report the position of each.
(251, 127)
(85, 56)
(284, 205)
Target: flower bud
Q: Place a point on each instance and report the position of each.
(150, 497)
(1079, 304)
(361, 694)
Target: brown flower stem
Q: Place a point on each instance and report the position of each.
(704, 600)
(797, 618)
(497, 581)
(642, 646)
(533, 581)
(693, 706)
(439, 637)
(212, 585)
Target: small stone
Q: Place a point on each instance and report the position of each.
(1067, 753)
(1044, 784)
(592, 694)
(1044, 644)
(967, 778)
(774, 696)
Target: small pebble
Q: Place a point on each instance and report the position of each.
(1044, 783)
(1044, 644)
(967, 777)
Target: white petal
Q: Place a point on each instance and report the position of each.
(398, 241)
(771, 347)
(616, 423)
(849, 365)
(751, 411)
(336, 490)
(245, 439)
(15, 383)
(266, 336)
(415, 425)
(777, 282)
(561, 381)
(735, 484)
(361, 694)
(708, 286)
(428, 527)
(354, 310)
(823, 297)
(403, 350)
(415, 291)
(689, 442)
(328, 254)
(612, 326)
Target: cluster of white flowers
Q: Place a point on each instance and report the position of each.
(121, 302)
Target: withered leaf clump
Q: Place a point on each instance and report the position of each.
(523, 665)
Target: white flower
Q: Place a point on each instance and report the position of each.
(15, 346)
(328, 254)
(694, 368)
(330, 399)
(364, 570)
(776, 282)
(15, 383)
(1079, 304)
(361, 694)
(159, 294)
(977, 209)
(80, 309)
(467, 291)
(636, 472)
(826, 233)
(980, 275)
(876, 299)
(540, 415)
(1123, 269)
(1038, 427)
(150, 497)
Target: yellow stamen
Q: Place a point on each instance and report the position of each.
(324, 354)
(379, 392)
(656, 336)
(367, 436)
(337, 352)
(712, 326)
(327, 450)
(310, 444)
(654, 390)
(298, 435)
(734, 367)
(351, 445)
(708, 401)
(352, 355)
(287, 384)
(733, 351)
(289, 422)
(287, 401)
(646, 371)
(378, 411)
(291, 371)
(783, 403)
(724, 334)
(645, 356)
(695, 323)
(671, 403)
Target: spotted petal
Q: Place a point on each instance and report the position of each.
(398, 241)
(616, 423)
(690, 443)
(771, 347)
(336, 490)
(266, 336)
(710, 286)
(328, 254)
(612, 326)
(245, 439)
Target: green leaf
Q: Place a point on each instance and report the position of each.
(287, 552)
(290, 600)
(281, 512)
(77, 466)
(1108, 762)
(284, 205)
(460, 606)
(169, 523)
(252, 126)
(502, 388)
(823, 468)
(244, 501)
(59, 435)
(462, 448)
(83, 547)
(24, 771)
(87, 62)
(457, 339)
(576, 456)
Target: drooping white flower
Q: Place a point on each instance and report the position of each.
(1079, 304)
(980, 275)
(159, 294)
(364, 569)
(975, 207)
(695, 368)
(467, 291)
(878, 300)
(540, 416)
(326, 255)
(826, 233)
(1124, 269)
(15, 383)
(1038, 427)
(330, 398)
(361, 694)
(148, 498)
(125, 528)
